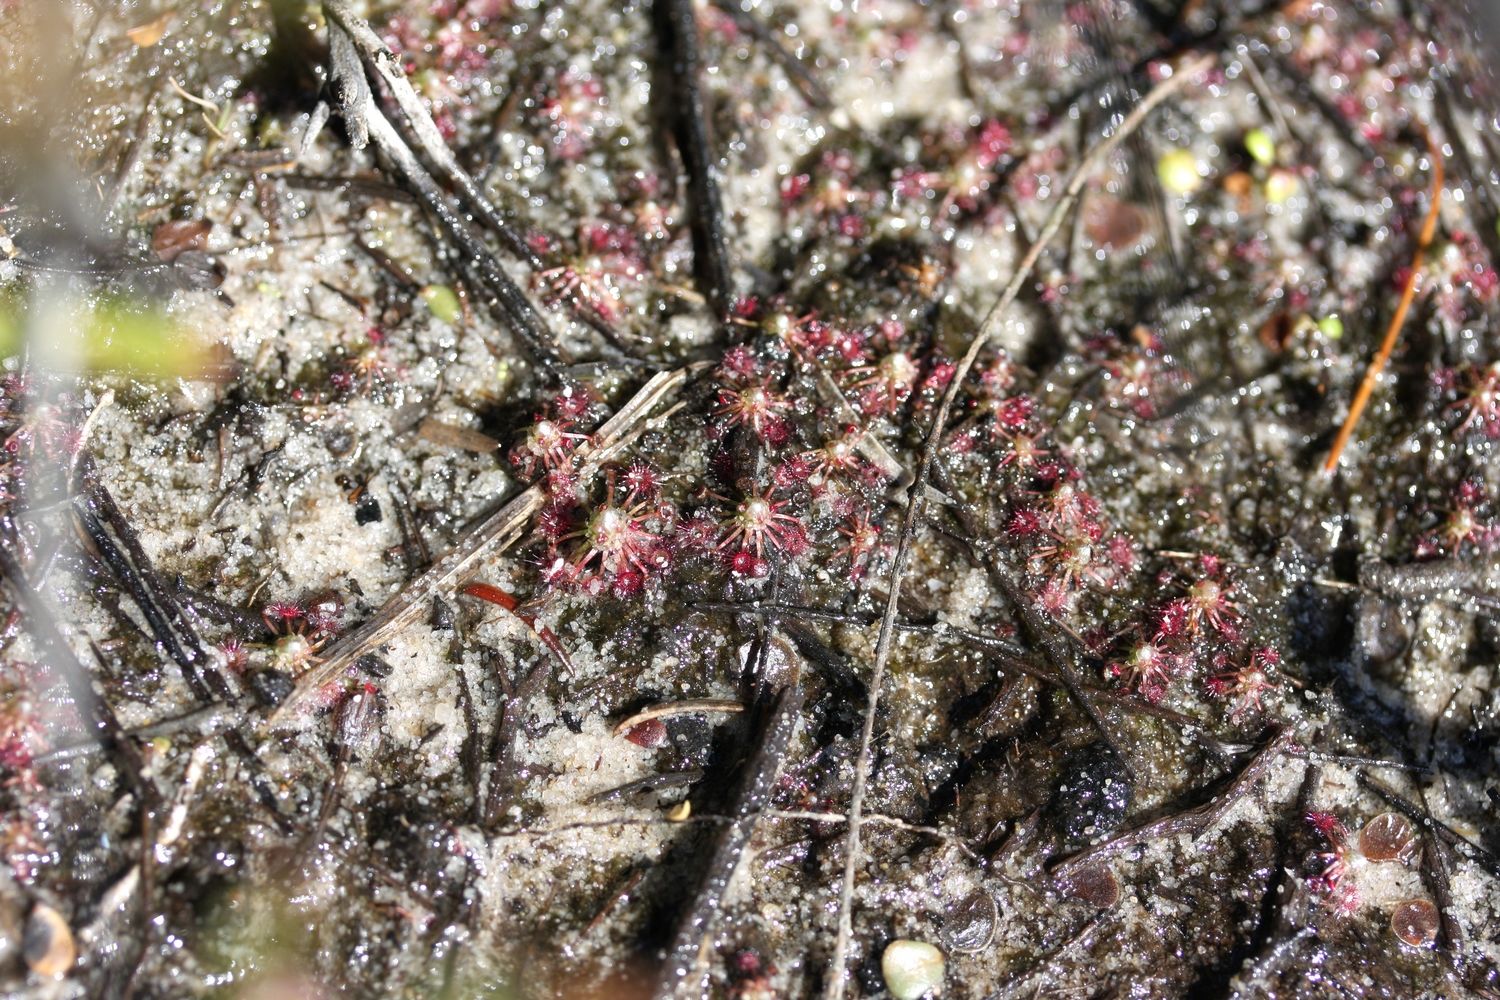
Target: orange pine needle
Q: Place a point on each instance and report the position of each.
(1398, 319)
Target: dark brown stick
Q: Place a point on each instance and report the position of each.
(796, 70)
(366, 122)
(759, 778)
(677, 27)
(172, 629)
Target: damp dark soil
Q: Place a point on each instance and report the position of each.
(585, 499)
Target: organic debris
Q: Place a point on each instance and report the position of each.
(749, 500)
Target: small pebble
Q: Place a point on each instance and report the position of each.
(971, 925)
(47, 943)
(912, 969)
(1415, 922)
(366, 509)
(1093, 794)
(1113, 224)
(1280, 186)
(649, 734)
(1177, 170)
(442, 302)
(272, 687)
(339, 440)
(375, 665)
(1239, 184)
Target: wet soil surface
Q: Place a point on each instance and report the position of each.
(645, 500)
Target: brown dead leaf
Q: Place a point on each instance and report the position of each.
(148, 34)
(452, 436)
(178, 236)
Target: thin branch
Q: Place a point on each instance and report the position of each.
(1435, 875)
(1026, 984)
(172, 628)
(370, 49)
(837, 971)
(206, 720)
(101, 724)
(1056, 643)
(503, 760)
(507, 296)
(1011, 657)
(366, 122)
(900, 824)
(650, 783)
(690, 706)
(797, 71)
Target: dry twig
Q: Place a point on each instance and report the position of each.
(690, 706)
